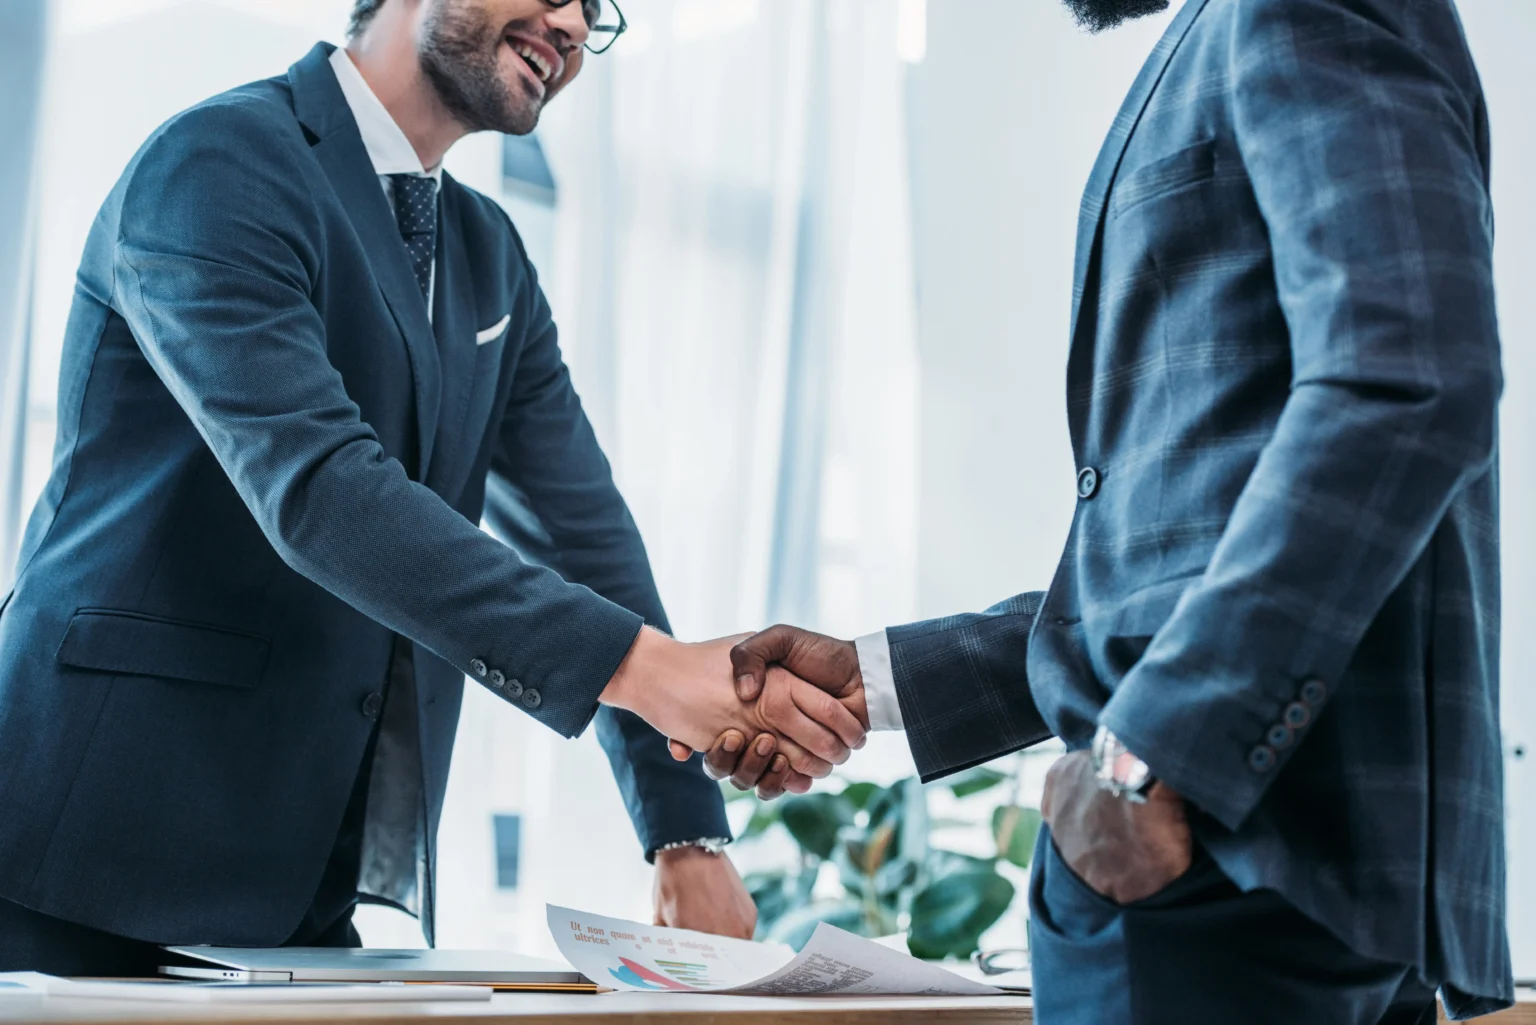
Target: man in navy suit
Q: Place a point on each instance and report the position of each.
(301, 364)
(1272, 642)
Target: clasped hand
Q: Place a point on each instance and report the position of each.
(771, 710)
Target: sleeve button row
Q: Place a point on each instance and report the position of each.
(510, 687)
(1297, 716)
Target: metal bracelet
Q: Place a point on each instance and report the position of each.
(710, 844)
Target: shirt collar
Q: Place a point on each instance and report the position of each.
(388, 148)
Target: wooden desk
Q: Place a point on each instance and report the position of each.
(606, 1009)
(550, 1009)
(1523, 1013)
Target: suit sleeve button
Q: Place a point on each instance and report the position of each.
(372, 705)
(1297, 715)
(532, 699)
(514, 688)
(1261, 758)
(478, 667)
(497, 679)
(1279, 736)
(1314, 692)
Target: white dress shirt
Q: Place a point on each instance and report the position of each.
(388, 148)
(880, 699)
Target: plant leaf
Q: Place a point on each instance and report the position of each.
(814, 821)
(949, 915)
(974, 781)
(776, 894)
(1015, 828)
(796, 927)
(858, 794)
(943, 863)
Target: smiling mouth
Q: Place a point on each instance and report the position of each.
(535, 61)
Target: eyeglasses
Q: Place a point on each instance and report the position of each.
(605, 22)
(1000, 962)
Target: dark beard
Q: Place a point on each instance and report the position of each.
(1098, 15)
(460, 54)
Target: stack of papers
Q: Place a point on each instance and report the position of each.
(631, 956)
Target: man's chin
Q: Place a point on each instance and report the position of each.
(1099, 15)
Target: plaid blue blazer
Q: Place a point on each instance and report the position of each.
(1281, 585)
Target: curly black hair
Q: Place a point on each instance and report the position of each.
(362, 13)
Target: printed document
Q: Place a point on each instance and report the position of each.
(628, 955)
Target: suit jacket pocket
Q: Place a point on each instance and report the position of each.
(1163, 176)
(136, 644)
(1144, 612)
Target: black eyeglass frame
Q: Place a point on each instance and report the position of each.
(610, 33)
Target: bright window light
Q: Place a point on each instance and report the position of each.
(912, 30)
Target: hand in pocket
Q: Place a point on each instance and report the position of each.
(1122, 850)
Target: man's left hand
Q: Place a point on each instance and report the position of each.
(701, 891)
(1123, 850)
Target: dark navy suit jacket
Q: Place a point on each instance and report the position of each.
(1281, 585)
(269, 464)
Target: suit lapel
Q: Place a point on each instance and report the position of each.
(1095, 196)
(321, 107)
(451, 320)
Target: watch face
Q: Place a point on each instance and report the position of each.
(1130, 772)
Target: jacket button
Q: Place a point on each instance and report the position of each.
(1087, 482)
(1297, 715)
(1261, 758)
(1279, 736)
(1314, 693)
(531, 698)
(372, 705)
(496, 679)
(477, 666)
(514, 688)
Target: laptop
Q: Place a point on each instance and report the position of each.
(492, 968)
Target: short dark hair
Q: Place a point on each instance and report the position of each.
(362, 13)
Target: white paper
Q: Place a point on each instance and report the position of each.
(38, 985)
(630, 956)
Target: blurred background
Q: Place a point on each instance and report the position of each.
(812, 262)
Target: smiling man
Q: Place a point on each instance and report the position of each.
(302, 364)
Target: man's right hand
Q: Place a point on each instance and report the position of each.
(686, 692)
(831, 664)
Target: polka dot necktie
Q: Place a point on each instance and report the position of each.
(416, 212)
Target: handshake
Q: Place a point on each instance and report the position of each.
(772, 710)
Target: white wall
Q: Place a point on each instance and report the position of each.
(1008, 112)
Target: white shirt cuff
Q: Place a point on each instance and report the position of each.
(879, 682)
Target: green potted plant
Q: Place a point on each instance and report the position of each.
(892, 879)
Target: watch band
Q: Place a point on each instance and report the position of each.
(710, 844)
(1118, 770)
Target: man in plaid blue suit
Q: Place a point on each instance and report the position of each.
(1272, 643)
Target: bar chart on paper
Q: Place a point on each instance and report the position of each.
(629, 955)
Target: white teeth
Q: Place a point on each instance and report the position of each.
(534, 60)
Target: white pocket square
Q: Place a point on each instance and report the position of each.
(493, 332)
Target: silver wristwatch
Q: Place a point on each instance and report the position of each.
(710, 844)
(1119, 771)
